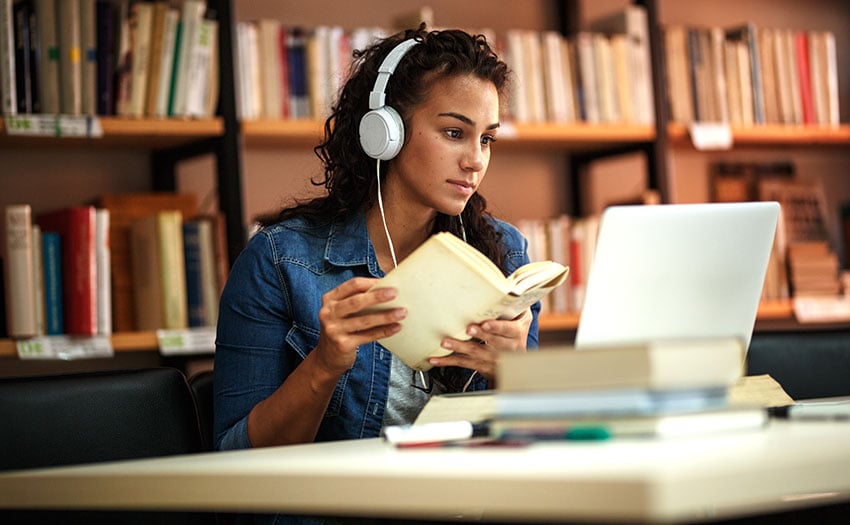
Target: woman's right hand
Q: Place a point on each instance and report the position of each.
(345, 325)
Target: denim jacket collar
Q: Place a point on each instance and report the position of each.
(349, 245)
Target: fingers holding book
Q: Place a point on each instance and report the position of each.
(348, 320)
(489, 338)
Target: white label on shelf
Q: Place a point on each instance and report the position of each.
(186, 342)
(829, 309)
(65, 347)
(55, 126)
(711, 136)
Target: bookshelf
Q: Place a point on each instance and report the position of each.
(244, 150)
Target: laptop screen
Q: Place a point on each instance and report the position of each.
(677, 271)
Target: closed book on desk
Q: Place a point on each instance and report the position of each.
(680, 424)
(446, 284)
(655, 365)
(606, 403)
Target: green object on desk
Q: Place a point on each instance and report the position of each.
(587, 434)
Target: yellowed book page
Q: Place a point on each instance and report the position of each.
(473, 407)
(761, 390)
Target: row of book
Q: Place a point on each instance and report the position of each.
(603, 75)
(99, 57)
(131, 263)
(748, 75)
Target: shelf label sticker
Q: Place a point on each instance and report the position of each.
(186, 342)
(65, 347)
(708, 136)
(86, 126)
(822, 309)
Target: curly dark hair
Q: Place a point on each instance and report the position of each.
(349, 172)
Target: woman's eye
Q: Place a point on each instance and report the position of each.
(453, 133)
(488, 140)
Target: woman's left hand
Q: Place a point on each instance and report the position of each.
(496, 335)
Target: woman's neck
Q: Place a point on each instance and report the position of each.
(406, 232)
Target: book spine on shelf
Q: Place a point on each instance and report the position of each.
(194, 285)
(48, 59)
(88, 57)
(76, 227)
(105, 58)
(20, 279)
(52, 264)
(8, 89)
(70, 60)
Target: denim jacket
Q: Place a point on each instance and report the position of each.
(269, 322)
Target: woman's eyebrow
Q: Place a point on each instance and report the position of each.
(466, 120)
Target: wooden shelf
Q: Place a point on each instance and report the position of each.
(300, 133)
(773, 135)
(127, 132)
(778, 310)
(121, 342)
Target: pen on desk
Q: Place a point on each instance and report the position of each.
(425, 433)
(818, 411)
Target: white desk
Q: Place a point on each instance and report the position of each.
(786, 466)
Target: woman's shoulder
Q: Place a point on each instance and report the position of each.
(293, 235)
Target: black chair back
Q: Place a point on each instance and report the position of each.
(99, 416)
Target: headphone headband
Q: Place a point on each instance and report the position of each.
(385, 70)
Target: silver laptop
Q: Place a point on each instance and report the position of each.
(677, 271)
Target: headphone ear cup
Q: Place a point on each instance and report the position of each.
(382, 133)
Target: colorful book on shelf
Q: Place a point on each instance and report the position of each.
(48, 57)
(159, 274)
(76, 227)
(88, 57)
(105, 44)
(70, 63)
(19, 276)
(202, 287)
(656, 365)
(51, 253)
(446, 284)
(8, 89)
(125, 208)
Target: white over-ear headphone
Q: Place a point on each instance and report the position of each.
(381, 129)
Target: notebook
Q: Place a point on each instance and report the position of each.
(677, 271)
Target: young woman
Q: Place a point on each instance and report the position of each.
(296, 356)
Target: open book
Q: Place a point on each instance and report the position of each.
(446, 284)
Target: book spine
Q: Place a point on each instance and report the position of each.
(141, 21)
(172, 269)
(79, 268)
(193, 12)
(209, 277)
(52, 264)
(23, 66)
(103, 256)
(20, 280)
(8, 89)
(70, 60)
(200, 62)
(48, 59)
(88, 57)
(105, 58)
(166, 64)
(194, 284)
(38, 279)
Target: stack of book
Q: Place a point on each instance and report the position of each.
(663, 389)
